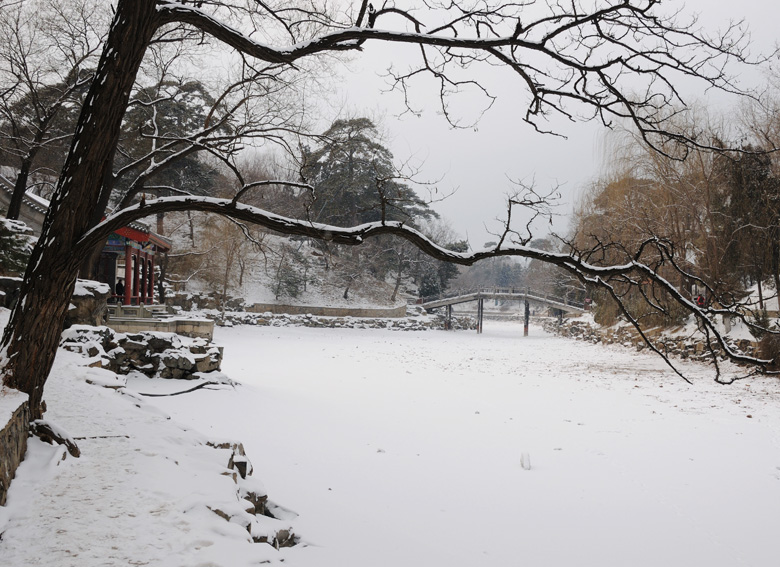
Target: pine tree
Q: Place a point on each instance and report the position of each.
(16, 244)
(355, 180)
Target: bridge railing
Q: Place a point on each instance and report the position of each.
(527, 292)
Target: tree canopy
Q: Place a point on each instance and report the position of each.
(355, 180)
(159, 123)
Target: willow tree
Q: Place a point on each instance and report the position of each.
(609, 60)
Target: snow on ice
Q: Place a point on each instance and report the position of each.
(388, 449)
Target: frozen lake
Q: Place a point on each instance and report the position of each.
(401, 448)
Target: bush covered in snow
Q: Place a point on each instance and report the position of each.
(16, 244)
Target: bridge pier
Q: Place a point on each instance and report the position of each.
(526, 317)
(480, 313)
(448, 318)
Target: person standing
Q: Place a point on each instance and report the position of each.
(119, 290)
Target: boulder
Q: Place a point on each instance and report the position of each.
(9, 291)
(89, 304)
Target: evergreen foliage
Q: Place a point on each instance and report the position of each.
(16, 244)
(751, 213)
(290, 277)
(760, 319)
(434, 277)
(355, 180)
(159, 116)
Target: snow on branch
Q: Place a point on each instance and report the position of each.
(614, 62)
(634, 272)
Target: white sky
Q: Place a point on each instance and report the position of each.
(479, 162)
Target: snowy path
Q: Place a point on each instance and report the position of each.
(405, 449)
(136, 496)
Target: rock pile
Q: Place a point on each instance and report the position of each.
(88, 305)
(9, 291)
(681, 346)
(265, 521)
(200, 301)
(164, 355)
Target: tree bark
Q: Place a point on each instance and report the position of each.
(30, 340)
(163, 265)
(89, 265)
(775, 265)
(15, 205)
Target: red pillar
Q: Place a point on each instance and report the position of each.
(151, 279)
(142, 278)
(128, 276)
(135, 277)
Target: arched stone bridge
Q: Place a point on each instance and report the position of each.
(479, 295)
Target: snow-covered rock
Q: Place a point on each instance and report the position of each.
(164, 355)
(89, 303)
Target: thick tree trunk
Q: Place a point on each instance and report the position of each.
(30, 341)
(89, 266)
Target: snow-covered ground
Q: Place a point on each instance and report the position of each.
(408, 448)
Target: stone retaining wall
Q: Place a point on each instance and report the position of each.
(417, 322)
(13, 436)
(192, 302)
(187, 327)
(392, 312)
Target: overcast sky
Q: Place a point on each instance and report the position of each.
(479, 162)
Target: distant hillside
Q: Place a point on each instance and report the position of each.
(269, 268)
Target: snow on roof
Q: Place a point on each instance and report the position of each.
(37, 199)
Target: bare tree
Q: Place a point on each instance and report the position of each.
(570, 59)
(711, 208)
(173, 120)
(48, 49)
(231, 245)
